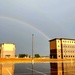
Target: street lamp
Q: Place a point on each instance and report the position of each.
(32, 48)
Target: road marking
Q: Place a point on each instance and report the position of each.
(8, 71)
(36, 71)
(23, 73)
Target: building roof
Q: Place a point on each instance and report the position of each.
(61, 39)
(6, 43)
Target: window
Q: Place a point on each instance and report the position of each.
(66, 56)
(59, 55)
(64, 46)
(58, 51)
(58, 46)
(7, 56)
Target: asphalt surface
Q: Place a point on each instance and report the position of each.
(65, 68)
(32, 69)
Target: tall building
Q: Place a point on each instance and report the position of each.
(7, 50)
(62, 48)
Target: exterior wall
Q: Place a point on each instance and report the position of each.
(6, 54)
(53, 49)
(8, 47)
(68, 47)
(7, 50)
(53, 45)
(58, 48)
(0, 52)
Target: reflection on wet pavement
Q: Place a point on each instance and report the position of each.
(64, 68)
(6, 69)
(60, 68)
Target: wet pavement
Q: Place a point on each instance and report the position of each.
(55, 68)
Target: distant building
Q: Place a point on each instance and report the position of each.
(7, 50)
(44, 56)
(62, 48)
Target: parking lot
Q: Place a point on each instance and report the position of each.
(25, 69)
(32, 69)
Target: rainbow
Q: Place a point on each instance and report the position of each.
(20, 21)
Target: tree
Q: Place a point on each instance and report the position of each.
(15, 55)
(26, 55)
(21, 55)
(37, 55)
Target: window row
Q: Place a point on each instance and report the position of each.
(69, 51)
(65, 46)
(68, 46)
(69, 41)
(68, 56)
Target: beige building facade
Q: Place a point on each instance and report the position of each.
(62, 48)
(7, 50)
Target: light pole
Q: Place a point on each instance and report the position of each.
(32, 48)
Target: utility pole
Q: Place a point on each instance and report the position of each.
(32, 48)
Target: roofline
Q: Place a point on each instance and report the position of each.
(61, 39)
(7, 43)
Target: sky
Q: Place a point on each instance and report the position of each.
(46, 19)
